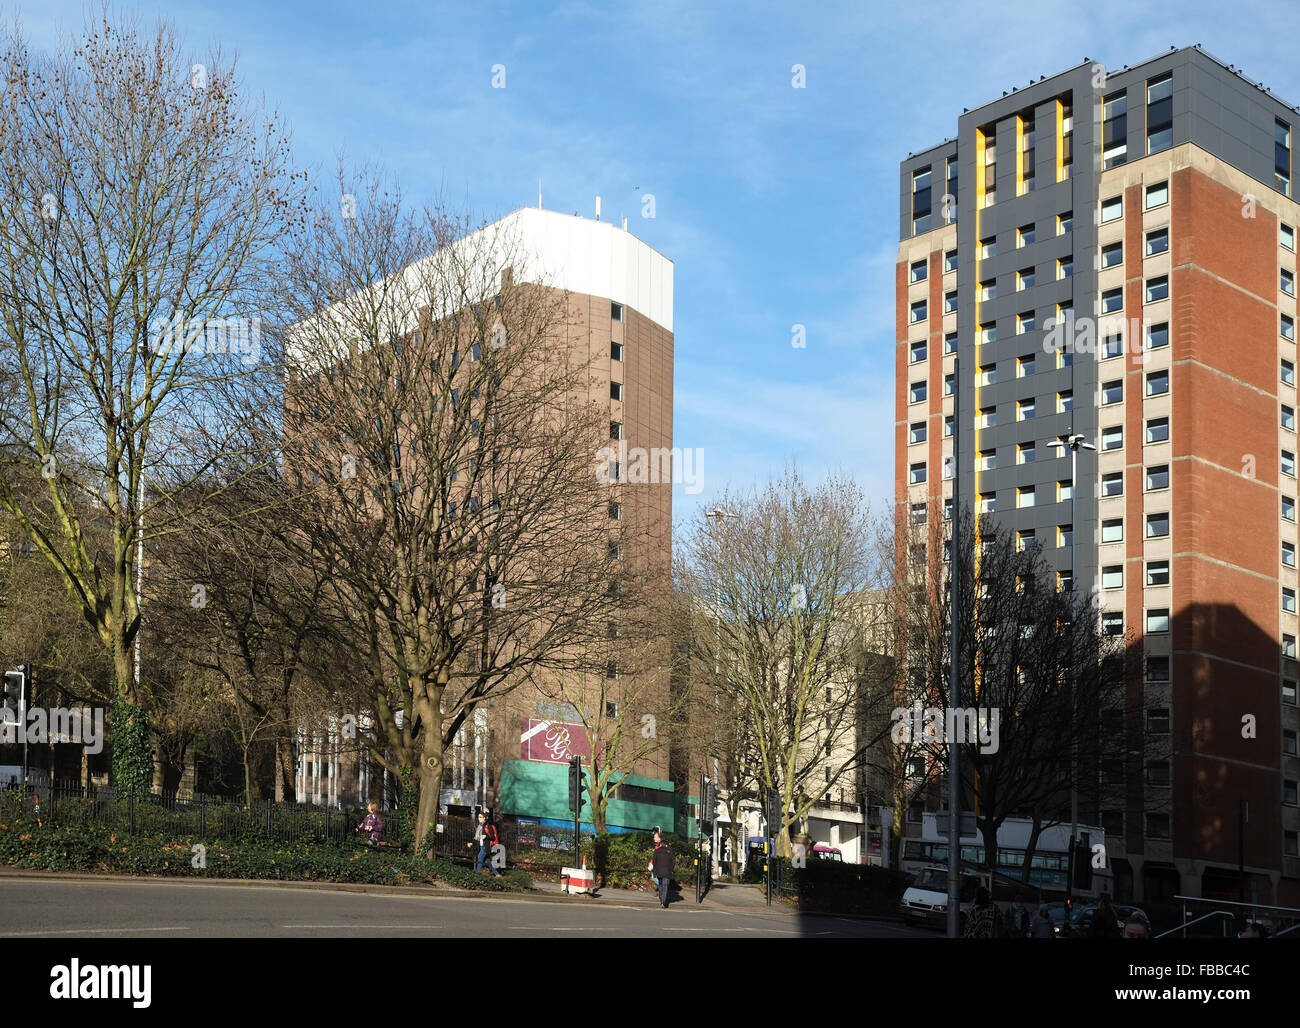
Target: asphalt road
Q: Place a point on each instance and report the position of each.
(54, 908)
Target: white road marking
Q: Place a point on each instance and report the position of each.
(361, 926)
(93, 931)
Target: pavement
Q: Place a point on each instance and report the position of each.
(49, 905)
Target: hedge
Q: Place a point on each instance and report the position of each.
(30, 843)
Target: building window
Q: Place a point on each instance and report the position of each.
(1291, 843)
(1025, 365)
(1025, 496)
(1065, 267)
(1158, 620)
(1025, 322)
(917, 391)
(947, 508)
(1288, 372)
(1157, 826)
(615, 311)
(1288, 508)
(1158, 773)
(1157, 572)
(1112, 437)
(988, 374)
(1025, 453)
(918, 271)
(1289, 793)
(918, 351)
(1287, 327)
(1158, 671)
(1157, 289)
(1024, 236)
(615, 511)
(916, 473)
(1112, 484)
(1157, 335)
(1157, 242)
(988, 460)
(950, 343)
(918, 553)
(988, 503)
(1064, 490)
(1112, 300)
(1112, 209)
(921, 201)
(1288, 646)
(1064, 401)
(1157, 195)
(1282, 157)
(1158, 477)
(616, 430)
(1112, 256)
(989, 289)
(1288, 600)
(1112, 576)
(1158, 525)
(1288, 417)
(1288, 463)
(616, 351)
(989, 333)
(1157, 383)
(1286, 236)
(950, 302)
(616, 390)
(1157, 430)
(1158, 721)
(949, 384)
(1114, 113)
(1112, 346)
(950, 260)
(1112, 392)
(1287, 284)
(918, 311)
(988, 417)
(1025, 410)
(1160, 113)
(1289, 691)
(918, 513)
(916, 433)
(1024, 279)
(947, 426)
(1288, 554)
(1112, 530)
(1065, 223)
(1112, 623)
(1025, 539)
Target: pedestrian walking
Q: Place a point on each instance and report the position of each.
(372, 824)
(1017, 918)
(1042, 927)
(486, 837)
(661, 867)
(985, 920)
(1105, 922)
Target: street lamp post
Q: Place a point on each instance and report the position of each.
(1074, 442)
(717, 513)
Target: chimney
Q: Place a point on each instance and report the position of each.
(598, 208)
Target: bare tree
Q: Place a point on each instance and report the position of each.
(787, 578)
(441, 432)
(140, 199)
(1036, 674)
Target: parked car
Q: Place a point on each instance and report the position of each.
(1081, 918)
(824, 852)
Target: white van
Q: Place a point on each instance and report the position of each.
(926, 898)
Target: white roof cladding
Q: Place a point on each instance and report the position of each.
(594, 257)
(557, 250)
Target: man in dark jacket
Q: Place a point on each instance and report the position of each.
(661, 866)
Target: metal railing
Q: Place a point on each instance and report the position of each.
(1279, 920)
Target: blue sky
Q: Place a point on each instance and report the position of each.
(777, 205)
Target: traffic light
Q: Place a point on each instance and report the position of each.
(710, 806)
(1082, 866)
(575, 783)
(17, 689)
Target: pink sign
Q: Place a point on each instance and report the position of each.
(552, 741)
